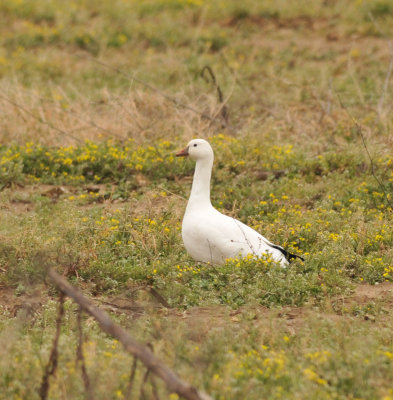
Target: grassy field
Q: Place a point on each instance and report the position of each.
(296, 100)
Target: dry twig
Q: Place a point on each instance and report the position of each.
(157, 296)
(173, 383)
(153, 292)
(127, 395)
(80, 357)
(144, 380)
(51, 367)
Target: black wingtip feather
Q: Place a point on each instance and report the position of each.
(289, 256)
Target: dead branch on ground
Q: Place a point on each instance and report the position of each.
(130, 386)
(81, 358)
(173, 382)
(51, 367)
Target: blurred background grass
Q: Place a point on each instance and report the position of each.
(279, 64)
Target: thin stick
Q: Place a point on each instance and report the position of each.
(51, 367)
(142, 392)
(149, 289)
(173, 382)
(130, 386)
(80, 357)
(154, 387)
(157, 296)
(152, 379)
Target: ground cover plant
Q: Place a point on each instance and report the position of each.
(295, 98)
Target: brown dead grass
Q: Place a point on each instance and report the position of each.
(145, 115)
(60, 120)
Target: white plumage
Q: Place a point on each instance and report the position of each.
(210, 236)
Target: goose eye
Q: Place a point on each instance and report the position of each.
(195, 145)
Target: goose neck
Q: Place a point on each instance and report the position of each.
(200, 191)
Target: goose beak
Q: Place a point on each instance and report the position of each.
(182, 153)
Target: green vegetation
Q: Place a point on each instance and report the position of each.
(89, 183)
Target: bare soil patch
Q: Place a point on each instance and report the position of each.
(372, 292)
(201, 320)
(29, 303)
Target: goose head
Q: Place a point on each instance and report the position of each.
(197, 149)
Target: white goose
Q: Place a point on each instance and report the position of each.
(210, 236)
